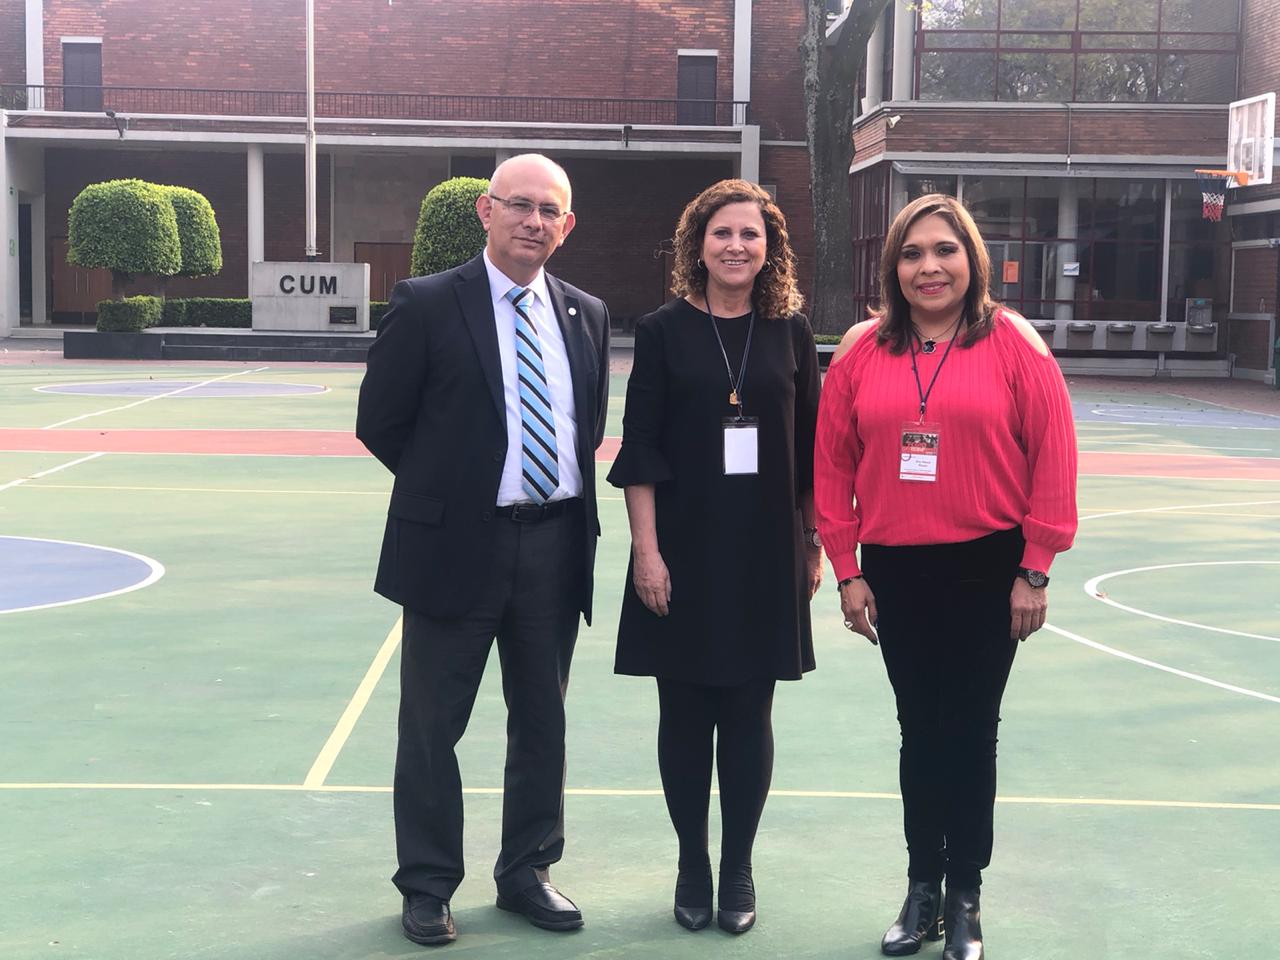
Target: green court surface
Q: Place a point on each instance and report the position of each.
(201, 768)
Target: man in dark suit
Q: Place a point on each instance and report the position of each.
(485, 395)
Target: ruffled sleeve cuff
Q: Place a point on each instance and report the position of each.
(639, 463)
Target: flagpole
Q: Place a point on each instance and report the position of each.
(312, 251)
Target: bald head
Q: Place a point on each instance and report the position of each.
(526, 214)
(515, 168)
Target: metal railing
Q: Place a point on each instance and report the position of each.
(463, 108)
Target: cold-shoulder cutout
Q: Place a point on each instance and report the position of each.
(852, 336)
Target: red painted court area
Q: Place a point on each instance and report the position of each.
(339, 443)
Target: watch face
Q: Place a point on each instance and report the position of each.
(1036, 578)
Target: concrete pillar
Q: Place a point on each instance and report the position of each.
(256, 206)
(1064, 288)
(742, 51)
(875, 68)
(9, 302)
(904, 50)
(749, 167)
(35, 53)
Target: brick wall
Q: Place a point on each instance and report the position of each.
(1255, 280)
(619, 48)
(13, 41)
(625, 210)
(777, 76)
(221, 177)
(788, 169)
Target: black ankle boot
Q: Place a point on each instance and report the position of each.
(693, 897)
(920, 919)
(963, 921)
(737, 913)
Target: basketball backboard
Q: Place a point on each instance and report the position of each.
(1251, 129)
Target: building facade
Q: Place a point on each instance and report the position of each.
(1072, 130)
(644, 103)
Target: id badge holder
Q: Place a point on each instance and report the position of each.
(741, 445)
(919, 445)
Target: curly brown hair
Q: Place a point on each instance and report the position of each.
(894, 312)
(775, 293)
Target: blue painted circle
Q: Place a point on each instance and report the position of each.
(197, 388)
(39, 573)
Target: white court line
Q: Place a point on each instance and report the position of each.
(45, 473)
(158, 396)
(1169, 443)
(1160, 666)
(318, 493)
(640, 792)
(1091, 588)
(155, 566)
(346, 723)
(1189, 506)
(1224, 406)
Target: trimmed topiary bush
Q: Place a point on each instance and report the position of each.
(219, 312)
(449, 231)
(173, 313)
(128, 315)
(126, 226)
(377, 308)
(198, 237)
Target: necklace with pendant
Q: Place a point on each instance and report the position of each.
(930, 344)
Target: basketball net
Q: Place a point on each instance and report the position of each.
(1213, 190)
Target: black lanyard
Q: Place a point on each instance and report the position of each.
(735, 383)
(923, 393)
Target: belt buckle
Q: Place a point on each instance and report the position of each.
(528, 512)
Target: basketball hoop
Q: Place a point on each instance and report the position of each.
(1213, 189)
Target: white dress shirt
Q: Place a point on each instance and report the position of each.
(555, 362)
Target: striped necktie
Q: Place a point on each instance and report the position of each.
(540, 473)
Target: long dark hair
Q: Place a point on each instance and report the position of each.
(894, 312)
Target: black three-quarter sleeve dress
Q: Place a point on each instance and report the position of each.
(733, 545)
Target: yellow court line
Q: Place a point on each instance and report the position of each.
(640, 792)
(318, 493)
(347, 722)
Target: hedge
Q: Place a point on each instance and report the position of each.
(128, 315)
(377, 308)
(126, 226)
(449, 232)
(198, 237)
(230, 312)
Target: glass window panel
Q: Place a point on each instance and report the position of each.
(1035, 76)
(1186, 220)
(1125, 282)
(1036, 261)
(1002, 252)
(957, 76)
(1041, 211)
(1218, 42)
(960, 38)
(1038, 310)
(1116, 77)
(1038, 15)
(996, 205)
(1126, 15)
(959, 14)
(1197, 78)
(1040, 41)
(924, 183)
(1126, 210)
(1192, 273)
(1198, 15)
(1119, 41)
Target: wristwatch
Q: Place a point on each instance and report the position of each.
(811, 537)
(1037, 578)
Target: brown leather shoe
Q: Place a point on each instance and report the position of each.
(544, 906)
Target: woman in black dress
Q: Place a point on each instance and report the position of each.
(717, 466)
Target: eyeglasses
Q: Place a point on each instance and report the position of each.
(522, 208)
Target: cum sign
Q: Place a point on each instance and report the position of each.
(310, 296)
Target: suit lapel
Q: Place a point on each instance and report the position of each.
(476, 303)
(568, 311)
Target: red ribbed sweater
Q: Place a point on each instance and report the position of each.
(1007, 451)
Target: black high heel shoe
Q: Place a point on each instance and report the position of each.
(964, 927)
(693, 898)
(919, 920)
(737, 913)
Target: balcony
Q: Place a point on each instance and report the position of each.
(290, 105)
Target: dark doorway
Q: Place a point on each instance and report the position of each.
(24, 264)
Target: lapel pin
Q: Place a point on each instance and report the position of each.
(573, 311)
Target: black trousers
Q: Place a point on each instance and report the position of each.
(530, 606)
(944, 634)
(739, 721)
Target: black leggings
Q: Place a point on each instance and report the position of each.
(690, 717)
(944, 634)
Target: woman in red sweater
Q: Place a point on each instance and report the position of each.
(946, 451)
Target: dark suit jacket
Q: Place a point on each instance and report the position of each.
(432, 410)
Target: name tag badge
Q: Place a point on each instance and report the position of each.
(741, 445)
(919, 461)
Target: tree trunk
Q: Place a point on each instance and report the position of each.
(831, 93)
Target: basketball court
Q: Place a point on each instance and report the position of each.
(199, 720)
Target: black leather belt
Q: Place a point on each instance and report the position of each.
(535, 512)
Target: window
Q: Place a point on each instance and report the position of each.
(696, 90)
(1109, 51)
(82, 76)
